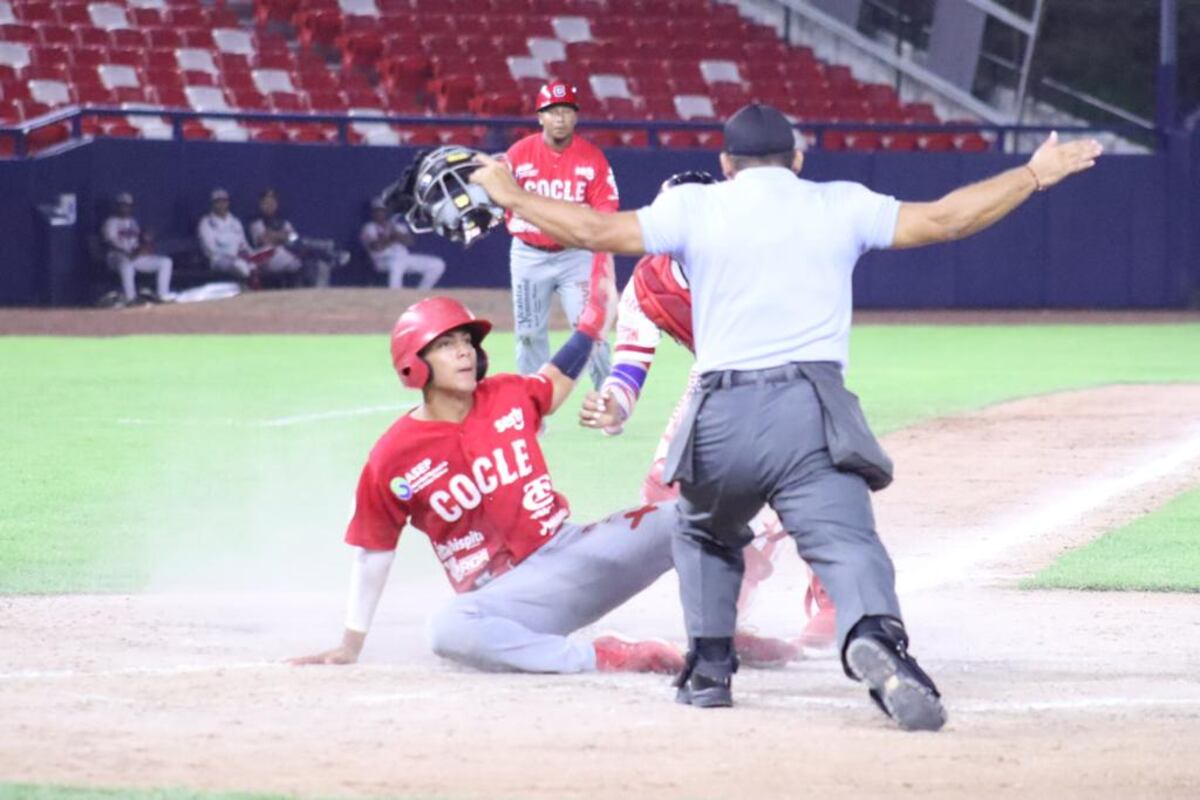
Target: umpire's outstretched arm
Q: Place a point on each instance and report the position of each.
(959, 214)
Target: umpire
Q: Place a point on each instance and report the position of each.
(769, 259)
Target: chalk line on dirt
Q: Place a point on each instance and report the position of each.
(989, 541)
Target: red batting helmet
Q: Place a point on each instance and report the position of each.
(423, 322)
(557, 93)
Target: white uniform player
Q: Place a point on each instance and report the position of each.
(223, 239)
(387, 240)
(128, 251)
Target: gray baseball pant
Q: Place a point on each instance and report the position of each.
(536, 276)
(765, 443)
(521, 620)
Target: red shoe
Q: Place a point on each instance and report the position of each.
(617, 654)
(821, 631)
(763, 651)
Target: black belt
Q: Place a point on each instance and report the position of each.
(743, 377)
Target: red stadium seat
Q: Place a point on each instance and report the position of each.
(198, 37)
(684, 139)
(170, 96)
(164, 38)
(89, 56)
(37, 14)
(92, 37)
(327, 101)
(146, 17)
(56, 35)
(900, 141)
(189, 17)
(128, 38)
(248, 100)
(936, 142)
(129, 58)
(24, 34)
(289, 102)
(194, 129)
(971, 143)
(74, 14)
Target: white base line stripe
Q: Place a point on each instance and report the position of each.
(986, 543)
(181, 669)
(274, 422)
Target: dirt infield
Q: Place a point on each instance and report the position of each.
(1050, 694)
(374, 310)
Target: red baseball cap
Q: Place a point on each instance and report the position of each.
(557, 93)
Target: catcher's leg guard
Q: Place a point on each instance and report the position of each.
(877, 654)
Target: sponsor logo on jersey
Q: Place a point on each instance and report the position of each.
(549, 526)
(448, 549)
(526, 170)
(460, 568)
(586, 172)
(539, 496)
(465, 491)
(423, 474)
(401, 488)
(513, 420)
(572, 191)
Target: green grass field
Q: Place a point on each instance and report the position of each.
(130, 460)
(1156, 553)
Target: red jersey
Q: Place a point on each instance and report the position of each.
(579, 174)
(479, 489)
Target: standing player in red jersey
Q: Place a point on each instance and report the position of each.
(657, 300)
(465, 468)
(555, 163)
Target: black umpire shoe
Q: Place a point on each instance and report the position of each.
(877, 654)
(707, 683)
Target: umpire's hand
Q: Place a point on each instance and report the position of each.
(496, 179)
(1053, 161)
(345, 653)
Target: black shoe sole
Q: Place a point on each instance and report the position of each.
(912, 704)
(715, 697)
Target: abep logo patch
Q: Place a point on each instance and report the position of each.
(559, 91)
(401, 488)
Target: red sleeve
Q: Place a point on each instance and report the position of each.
(379, 513)
(540, 391)
(602, 192)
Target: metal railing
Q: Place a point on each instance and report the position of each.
(1001, 137)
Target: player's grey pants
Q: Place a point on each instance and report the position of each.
(766, 442)
(536, 277)
(520, 621)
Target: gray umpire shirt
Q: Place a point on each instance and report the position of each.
(769, 258)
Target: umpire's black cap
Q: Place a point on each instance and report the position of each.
(758, 130)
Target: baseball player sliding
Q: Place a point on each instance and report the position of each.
(466, 469)
(554, 163)
(657, 300)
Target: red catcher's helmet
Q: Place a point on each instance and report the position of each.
(557, 93)
(423, 322)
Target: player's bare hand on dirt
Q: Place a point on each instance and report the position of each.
(496, 179)
(345, 653)
(599, 411)
(1054, 161)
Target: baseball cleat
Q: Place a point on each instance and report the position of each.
(897, 685)
(618, 654)
(704, 692)
(764, 652)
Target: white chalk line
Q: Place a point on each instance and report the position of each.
(273, 422)
(178, 669)
(1095, 704)
(990, 541)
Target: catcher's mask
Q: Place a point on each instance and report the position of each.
(425, 321)
(441, 198)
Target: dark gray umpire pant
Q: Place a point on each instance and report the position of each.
(774, 436)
